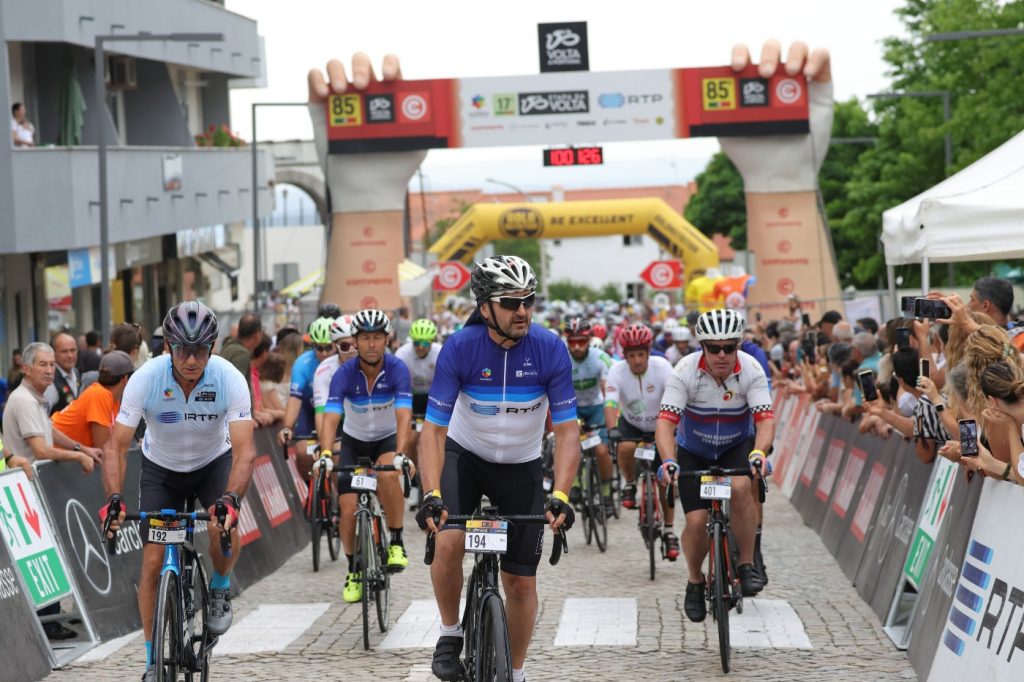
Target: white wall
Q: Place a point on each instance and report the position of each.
(597, 261)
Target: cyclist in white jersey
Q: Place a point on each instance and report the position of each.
(342, 336)
(198, 445)
(419, 354)
(633, 391)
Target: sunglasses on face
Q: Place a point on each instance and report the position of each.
(421, 344)
(577, 343)
(323, 347)
(716, 348)
(513, 302)
(344, 346)
(182, 352)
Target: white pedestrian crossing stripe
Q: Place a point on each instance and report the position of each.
(597, 622)
(271, 627)
(107, 648)
(417, 628)
(767, 624)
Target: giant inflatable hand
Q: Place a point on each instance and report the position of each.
(780, 178)
(367, 198)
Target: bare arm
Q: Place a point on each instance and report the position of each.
(431, 455)
(567, 453)
(404, 418)
(665, 439)
(113, 457)
(329, 430)
(242, 455)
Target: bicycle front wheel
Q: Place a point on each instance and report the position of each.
(651, 528)
(334, 527)
(598, 519)
(721, 594)
(493, 660)
(366, 562)
(167, 629)
(585, 495)
(316, 517)
(382, 580)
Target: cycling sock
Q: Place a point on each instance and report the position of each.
(757, 541)
(519, 674)
(606, 488)
(349, 557)
(220, 582)
(452, 630)
(396, 536)
(149, 653)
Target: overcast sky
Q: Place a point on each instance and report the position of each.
(456, 38)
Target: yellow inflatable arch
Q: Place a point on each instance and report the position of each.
(483, 223)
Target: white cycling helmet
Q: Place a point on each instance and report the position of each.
(371, 320)
(499, 274)
(720, 325)
(670, 325)
(342, 328)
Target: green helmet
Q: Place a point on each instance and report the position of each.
(320, 330)
(423, 330)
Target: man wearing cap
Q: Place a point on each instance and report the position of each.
(88, 419)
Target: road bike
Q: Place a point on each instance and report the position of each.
(723, 590)
(322, 510)
(591, 504)
(181, 639)
(649, 503)
(372, 540)
(483, 620)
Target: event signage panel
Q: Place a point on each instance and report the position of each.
(574, 156)
(566, 108)
(563, 46)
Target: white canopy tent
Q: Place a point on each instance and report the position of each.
(977, 214)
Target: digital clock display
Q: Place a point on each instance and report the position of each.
(574, 156)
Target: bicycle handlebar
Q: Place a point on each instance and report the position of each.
(220, 515)
(367, 464)
(561, 543)
(734, 471)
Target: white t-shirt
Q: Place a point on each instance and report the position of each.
(421, 371)
(638, 398)
(25, 132)
(322, 382)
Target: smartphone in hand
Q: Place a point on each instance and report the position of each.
(924, 366)
(902, 338)
(867, 385)
(968, 438)
(928, 308)
(907, 305)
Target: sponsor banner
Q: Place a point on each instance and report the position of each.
(795, 422)
(983, 635)
(803, 494)
(265, 479)
(816, 511)
(29, 657)
(362, 263)
(940, 590)
(30, 540)
(566, 108)
(795, 464)
(936, 506)
(301, 487)
(563, 46)
(848, 482)
(845, 493)
(830, 470)
(865, 514)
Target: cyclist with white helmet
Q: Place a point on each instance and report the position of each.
(373, 391)
(717, 409)
(342, 336)
(198, 446)
(494, 383)
(633, 391)
(681, 338)
(299, 415)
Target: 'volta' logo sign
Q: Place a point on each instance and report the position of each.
(563, 46)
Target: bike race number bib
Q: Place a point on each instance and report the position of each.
(715, 487)
(166, 532)
(484, 536)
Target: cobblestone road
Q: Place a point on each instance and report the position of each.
(846, 640)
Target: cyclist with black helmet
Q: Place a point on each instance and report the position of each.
(633, 398)
(717, 409)
(299, 414)
(495, 380)
(373, 392)
(198, 445)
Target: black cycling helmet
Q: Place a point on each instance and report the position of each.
(190, 324)
(330, 310)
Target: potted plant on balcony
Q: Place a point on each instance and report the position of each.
(219, 137)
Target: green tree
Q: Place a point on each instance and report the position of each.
(566, 290)
(719, 204)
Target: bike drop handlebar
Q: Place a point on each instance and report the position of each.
(731, 471)
(220, 514)
(367, 464)
(561, 543)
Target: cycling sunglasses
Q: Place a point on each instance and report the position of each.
(323, 347)
(182, 352)
(578, 341)
(513, 302)
(344, 346)
(421, 344)
(716, 348)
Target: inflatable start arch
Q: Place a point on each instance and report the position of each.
(483, 223)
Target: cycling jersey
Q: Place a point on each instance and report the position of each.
(370, 410)
(302, 388)
(588, 375)
(715, 418)
(421, 371)
(494, 401)
(322, 382)
(638, 398)
(185, 434)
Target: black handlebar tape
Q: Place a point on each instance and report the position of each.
(225, 536)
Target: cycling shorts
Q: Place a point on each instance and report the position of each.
(631, 434)
(593, 419)
(161, 488)
(512, 488)
(689, 488)
(352, 450)
(419, 405)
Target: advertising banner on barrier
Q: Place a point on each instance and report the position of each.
(786, 446)
(803, 494)
(936, 505)
(983, 637)
(939, 585)
(846, 493)
(23, 639)
(816, 508)
(795, 464)
(30, 540)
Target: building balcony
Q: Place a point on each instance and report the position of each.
(152, 191)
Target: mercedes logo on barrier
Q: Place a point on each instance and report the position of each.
(87, 546)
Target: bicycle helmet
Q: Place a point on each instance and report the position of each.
(596, 342)
(599, 331)
(501, 273)
(719, 325)
(636, 336)
(577, 327)
(329, 310)
(423, 330)
(320, 330)
(671, 325)
(341, 328)
(190, 324)
(371, 320)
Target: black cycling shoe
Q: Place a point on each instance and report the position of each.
(750, 581)
(761, 572)
(446, 664)
(629, 496)
(694, 605)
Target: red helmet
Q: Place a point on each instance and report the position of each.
(577, 327)
(600, 331)
(636, 336)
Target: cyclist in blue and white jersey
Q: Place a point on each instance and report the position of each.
(717, 409)
(373, 391)
(589, 371)
(198, 445)
(494, 382)
(299, 415)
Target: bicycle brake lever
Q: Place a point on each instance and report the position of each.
(428, 554)
(561, 545)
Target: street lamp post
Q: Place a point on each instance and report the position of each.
(101, 95)
(256, 201)
(542, 274)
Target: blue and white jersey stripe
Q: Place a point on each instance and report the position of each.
(370, 410)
